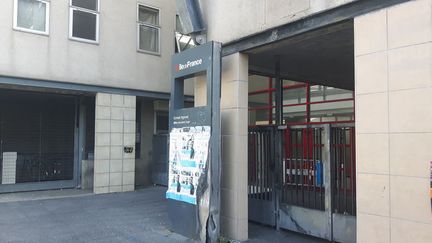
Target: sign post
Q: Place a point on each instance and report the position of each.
(194, 150)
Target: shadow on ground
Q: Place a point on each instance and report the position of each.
(140, 216)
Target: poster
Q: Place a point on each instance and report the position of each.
(188, 154)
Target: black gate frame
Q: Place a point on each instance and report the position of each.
(266, 151)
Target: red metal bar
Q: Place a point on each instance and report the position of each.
(310, 123)
(294, 86)
(331, 101)
(308, 103)
(311, 143)
(319, 102)
(290, 105)
(318, 123)
(269, 107)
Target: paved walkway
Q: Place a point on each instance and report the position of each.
(123, 217)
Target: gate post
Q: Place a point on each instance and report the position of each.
(277, 187)
(327, 170)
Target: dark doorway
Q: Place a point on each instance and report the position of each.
(37, 139)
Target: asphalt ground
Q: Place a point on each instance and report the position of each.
(79, 216)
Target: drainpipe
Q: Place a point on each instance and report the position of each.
(191, 20)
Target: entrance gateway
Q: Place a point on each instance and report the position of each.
(302, 178)
(301, 159)
(39, 136)
(194, 147)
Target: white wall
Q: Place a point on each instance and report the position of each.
(229, 20)
(114, 62)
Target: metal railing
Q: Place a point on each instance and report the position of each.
(302, 174)
(261, 163)
(342, 147)
(301, 167)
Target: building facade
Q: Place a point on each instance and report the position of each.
(84, 92)
(380, 51)
(324, 108)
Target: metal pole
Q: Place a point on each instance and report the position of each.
(81, 140)
(278, 140)
(270, 100)
(327, 178)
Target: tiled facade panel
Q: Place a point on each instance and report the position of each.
(9, 168)
(115, 130)
(393, 64)
(234, 115)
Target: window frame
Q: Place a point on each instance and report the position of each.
(73, 8)
(158, 27)
(155, 120)
(47, 18)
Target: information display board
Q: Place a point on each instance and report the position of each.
(194, 146)
(188, 155)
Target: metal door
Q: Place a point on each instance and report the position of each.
(303, 184)
(343, 183)
(261, 178)
(302, 178)
(160, 160)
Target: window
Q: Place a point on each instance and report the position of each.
(161, 122)
(148, 29)
(84, 20)
(31, 16)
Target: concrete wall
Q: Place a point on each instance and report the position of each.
(113, 62)
(114, 169)
(229, 20)
(234, 134)
(393, 62)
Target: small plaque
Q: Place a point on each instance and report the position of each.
(128, 150)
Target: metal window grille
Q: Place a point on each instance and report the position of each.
(302, 174)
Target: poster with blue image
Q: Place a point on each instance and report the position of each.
(188, 154)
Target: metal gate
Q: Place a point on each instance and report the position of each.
(160, 160)
(261, 175)
(302, 178)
